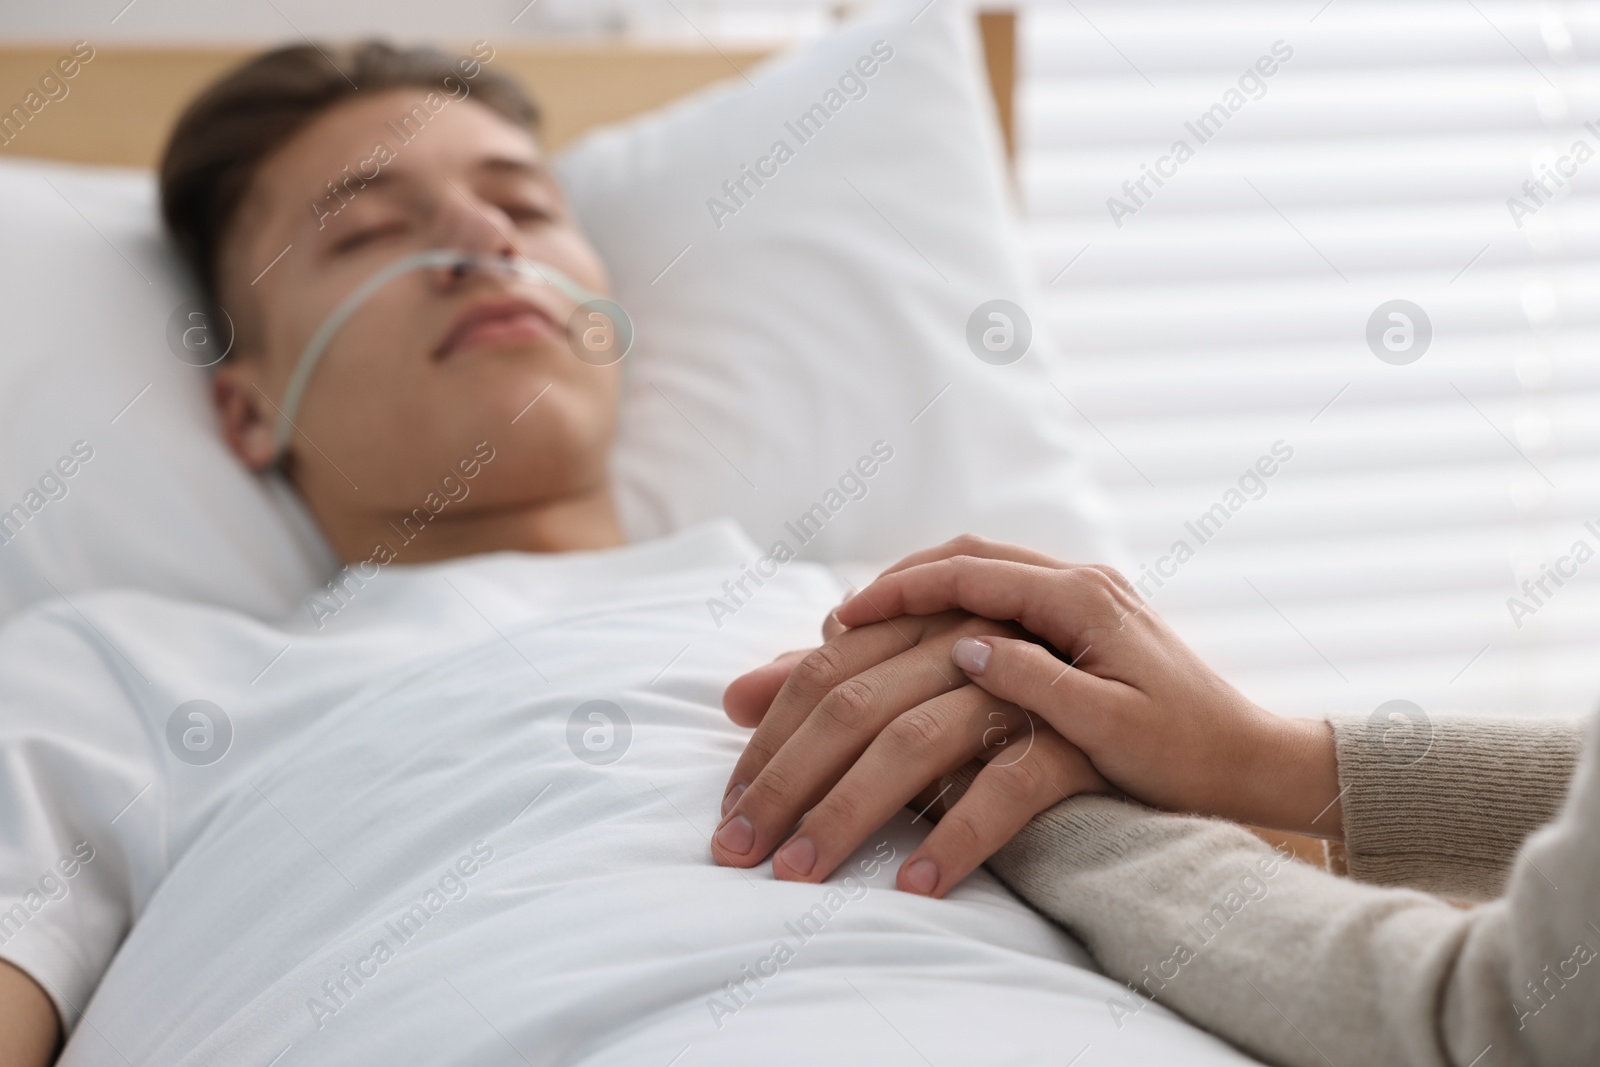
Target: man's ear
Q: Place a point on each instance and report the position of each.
(249, 423)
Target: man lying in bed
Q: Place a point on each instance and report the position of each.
(463, 818)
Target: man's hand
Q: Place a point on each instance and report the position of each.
(1155, 720)
(848, 733)
(29, 1031)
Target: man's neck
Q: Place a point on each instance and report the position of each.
(572, 524)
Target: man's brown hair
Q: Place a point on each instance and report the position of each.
(230, 129)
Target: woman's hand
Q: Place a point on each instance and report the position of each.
(1154, 719)
(849, 733)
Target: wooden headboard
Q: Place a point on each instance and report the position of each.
(120, 106)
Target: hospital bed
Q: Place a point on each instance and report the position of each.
(741, 400)
(122, 118)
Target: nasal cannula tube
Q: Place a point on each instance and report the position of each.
(435, 258)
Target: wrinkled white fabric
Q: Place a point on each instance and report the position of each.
(409, 776)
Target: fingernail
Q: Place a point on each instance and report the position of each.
(737, 835)
(922, 875)
(735, 791)
(971, 655)
(799, 855)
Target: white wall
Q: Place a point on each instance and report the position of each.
(273, 20)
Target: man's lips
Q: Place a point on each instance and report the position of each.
(497, 321)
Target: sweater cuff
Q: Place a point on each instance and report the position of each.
(1443, 804)
(1091, 833)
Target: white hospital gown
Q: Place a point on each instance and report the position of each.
(420, 844)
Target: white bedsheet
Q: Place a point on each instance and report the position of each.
(415, 752)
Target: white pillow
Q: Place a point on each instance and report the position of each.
(89, 286)
(831, 307)
(791, 340)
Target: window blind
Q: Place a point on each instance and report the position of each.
(1430, 537)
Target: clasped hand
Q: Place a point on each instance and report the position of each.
(1055, 679)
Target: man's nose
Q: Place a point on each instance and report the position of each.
(471, 225)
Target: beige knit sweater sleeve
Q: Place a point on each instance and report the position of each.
(1300, 967)
(1444, 805)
